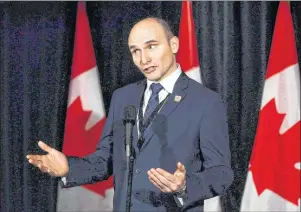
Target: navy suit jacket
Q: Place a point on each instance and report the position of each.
(193, 131)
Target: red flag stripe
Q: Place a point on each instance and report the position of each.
(83, 43)
(283, 54)
(187, 55)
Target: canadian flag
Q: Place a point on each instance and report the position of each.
(84, 122)
(188, 58)
(273, 181)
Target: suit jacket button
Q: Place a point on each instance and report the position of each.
(137, 171)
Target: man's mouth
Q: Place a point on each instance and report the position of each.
(149, 69)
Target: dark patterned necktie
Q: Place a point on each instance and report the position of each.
(153, 100)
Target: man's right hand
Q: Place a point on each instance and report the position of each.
(54, 163)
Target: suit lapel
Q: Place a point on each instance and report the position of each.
(174, 99)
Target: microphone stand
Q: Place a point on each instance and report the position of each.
(129, 121)
(129, 182)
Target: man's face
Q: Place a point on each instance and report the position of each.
(151, 51)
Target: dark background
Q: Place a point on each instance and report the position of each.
(36, 47)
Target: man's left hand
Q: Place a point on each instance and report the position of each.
(166, 181)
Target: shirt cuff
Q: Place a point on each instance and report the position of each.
(64, 180)
(181, 196)
(181, 200)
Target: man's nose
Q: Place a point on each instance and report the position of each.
(145, 58)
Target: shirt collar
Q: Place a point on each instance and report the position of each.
(169, 82)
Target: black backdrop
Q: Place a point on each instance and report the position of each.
(36, 40)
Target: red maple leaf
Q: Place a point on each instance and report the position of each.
(274, 156)
(80, 142)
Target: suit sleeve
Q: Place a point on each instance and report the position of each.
(98, 165)
(213, 175)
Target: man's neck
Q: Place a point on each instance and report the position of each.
(169, 81)
(172, 69)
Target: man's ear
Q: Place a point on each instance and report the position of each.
(174, 44)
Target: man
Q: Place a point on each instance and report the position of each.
(180, 138)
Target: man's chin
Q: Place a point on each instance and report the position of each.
(155, 79)
(152, 77)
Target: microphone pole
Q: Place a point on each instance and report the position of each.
(129, 121)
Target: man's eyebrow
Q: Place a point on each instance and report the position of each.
(146, 42)
(132, 47)
(151, 41)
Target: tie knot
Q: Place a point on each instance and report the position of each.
(156, 88)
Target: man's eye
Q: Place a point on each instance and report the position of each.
(151, 46)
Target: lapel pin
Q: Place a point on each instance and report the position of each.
(178, 98)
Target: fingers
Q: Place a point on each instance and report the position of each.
(44, 169)
(166, 181)
(45, 147)
(181, 167)
(159, 181)
(34, 157)
(180, 171)
(36, 160)
(39, 164)
(170, 177)
(157, 185)
(40, 161)
(163, 180)
(47, 170)
(36, 163)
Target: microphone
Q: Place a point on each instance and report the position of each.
(129, 120)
